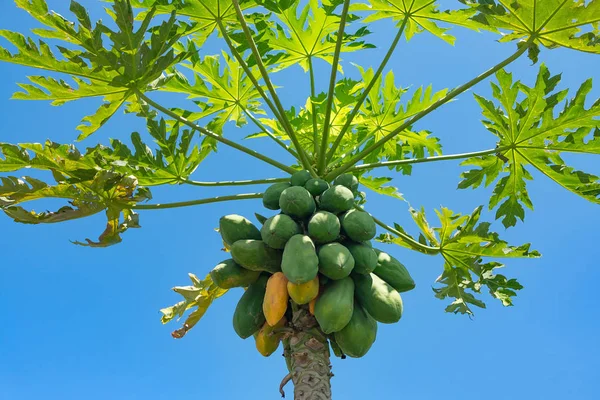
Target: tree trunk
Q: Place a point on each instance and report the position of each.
(307, 357)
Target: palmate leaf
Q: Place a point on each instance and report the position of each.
(422, 15)
(306, 31)
(226, 92)
(378, 185)
(533, 132)
(200, 295)
(466, 244)
(134, 59)
(553, 23)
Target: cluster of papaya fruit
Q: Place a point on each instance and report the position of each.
(317, 254)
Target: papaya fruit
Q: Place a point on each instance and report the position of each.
(335, 261)
(235, 227)
(334, 307)
(266, 340)
(228, 274)
(300, 178)
(260, 218)
(272, 195)
(393, 272)
(304, 292)
(358, 225)
(358, 336)
(337, 199)
(297, 202)
(300, 263)
(324, 227)
(276, 298)
(316, 186)
(347, 180)
(311, 305)
(365, 258)
(277, 230)
(255, 255)
(378, 298)
(248, 316)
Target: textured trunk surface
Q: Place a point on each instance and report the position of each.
(307, 356)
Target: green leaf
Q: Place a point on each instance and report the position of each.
(378, 186)
(199, 296)
(553, 23)
(422, 15)
(533, 132)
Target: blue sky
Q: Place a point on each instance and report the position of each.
(82, 323)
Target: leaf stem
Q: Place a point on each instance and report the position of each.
(237, 183)
(213, 135)
(270, 134)
(312, 108)
(428, 159)
(452, 94)
(367, 90)
(265, 75)
(322, 154)
(162, 206)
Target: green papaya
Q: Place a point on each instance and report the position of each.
(300, 178)
(278, 229)
(358, 336)
(365, 258)
(335, 261)
(324, 227)
(300, 263)
(393, 272)
(316, 186)
(334, 307)
(347, 180)
(248, 317)
(272, 195)
(235, 227)
(337, 199)
(255, 255)
(228, 274)
(358, 225)
(378, 298)
(297, 202)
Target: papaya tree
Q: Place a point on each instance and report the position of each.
(314, 283)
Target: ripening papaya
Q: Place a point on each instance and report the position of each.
(337, 199)
(378, 298)
(311, 305)
(334, 307)
(248, 316)
(297, 202)
(276, 298)
(300, 178)
(347, 180)
(278, 229)
(266, 340)
(228, 274)
(365, 258)
(255, 255)
(316, 187)
(358, 336)
(393, 272)
(358, 225)
(335, 261)
(324, 227)
(235, 227)
(300, 263)
(304, 292)
(272, 194)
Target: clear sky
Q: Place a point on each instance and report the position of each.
(80, 323)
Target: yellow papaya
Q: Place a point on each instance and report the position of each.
(304, 292)
(311, 305)
(266, 340)
(276, 298)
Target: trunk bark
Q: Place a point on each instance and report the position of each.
(307, 356)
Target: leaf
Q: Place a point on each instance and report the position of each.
(92, 123)
(534, 133)
(553, 23)
(421, 15)
(378, 186)
(199, 296)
